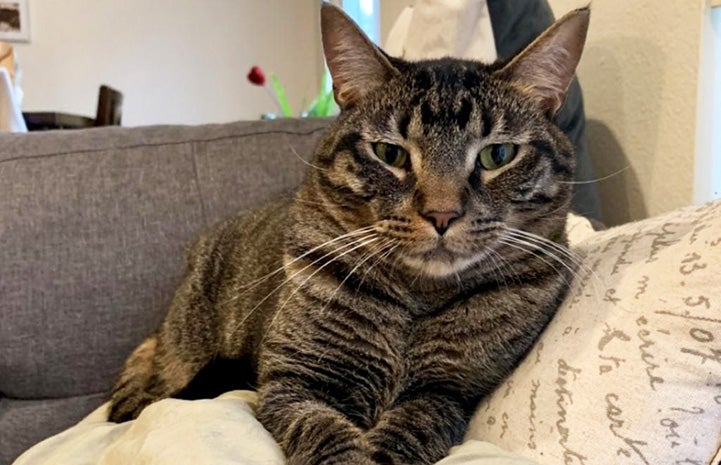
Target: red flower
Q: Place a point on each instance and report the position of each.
(256, 76)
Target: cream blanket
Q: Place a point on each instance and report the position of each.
(179, 432)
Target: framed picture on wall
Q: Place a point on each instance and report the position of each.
(14, 21)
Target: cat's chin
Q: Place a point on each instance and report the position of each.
(442, 266)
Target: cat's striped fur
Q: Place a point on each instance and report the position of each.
(370, 332)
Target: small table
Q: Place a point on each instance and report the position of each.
(43, 121)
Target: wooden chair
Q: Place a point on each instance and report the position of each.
(110, 107)
(109, 113)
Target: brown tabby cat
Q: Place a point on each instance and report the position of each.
(410, 274)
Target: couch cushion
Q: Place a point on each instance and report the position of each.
(93, 225)
(25, 422)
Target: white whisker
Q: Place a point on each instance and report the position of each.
(569, 254)
(498, 275)
(300, 286)
(365, 259)
(542, 240)
(295, 152)
(382, 257)
(517, 243)
(290, 278)
(255, 282)
(591, 181)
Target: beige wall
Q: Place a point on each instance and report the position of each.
(640, 76)
(176, 61)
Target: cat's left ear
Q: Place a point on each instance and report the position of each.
(546, 67)
(356, 65)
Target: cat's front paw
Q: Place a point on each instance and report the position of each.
(391, 452)
(127, 405)
(381, 457)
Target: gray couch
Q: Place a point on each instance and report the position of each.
(93, 225)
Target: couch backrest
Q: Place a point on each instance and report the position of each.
(93, 224)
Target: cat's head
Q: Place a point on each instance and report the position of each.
(437, 159)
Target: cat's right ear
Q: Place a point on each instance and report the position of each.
(546, 67)
(356, 65)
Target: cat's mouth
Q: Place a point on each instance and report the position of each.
(441, 266)
(446, 255)
(441, 261)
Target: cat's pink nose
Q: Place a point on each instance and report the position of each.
(441, 220)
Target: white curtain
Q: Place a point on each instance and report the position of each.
(438, 28)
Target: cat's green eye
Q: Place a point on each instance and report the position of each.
(494, 156)
(391, 154)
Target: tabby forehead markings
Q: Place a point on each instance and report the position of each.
(416, 158)
(487, 123)
(464, 114)
(442, 113)
(403, 123)
(490, 135)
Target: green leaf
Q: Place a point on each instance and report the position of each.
(280, 94)
(324, 104)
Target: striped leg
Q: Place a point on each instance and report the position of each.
(153, 372)
(418, 431)
(309, 431)
(166, 362)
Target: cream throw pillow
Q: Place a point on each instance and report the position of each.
(629, 371)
